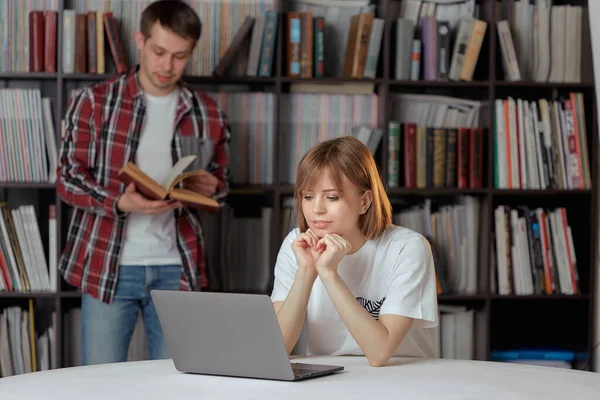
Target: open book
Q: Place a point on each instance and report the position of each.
(167, 190)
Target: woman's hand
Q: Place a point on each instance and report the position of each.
(304, 248)
(331, 249)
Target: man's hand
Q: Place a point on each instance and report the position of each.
(205, 184)
(132, 201)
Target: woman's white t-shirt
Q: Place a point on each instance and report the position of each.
(393, 274)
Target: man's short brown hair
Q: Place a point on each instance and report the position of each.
(174, 15)
(347, 157)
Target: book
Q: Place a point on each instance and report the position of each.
(242, 36)
(167, 189)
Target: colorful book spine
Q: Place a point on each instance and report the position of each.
(393, 154)
(319, 47)
(268, 46)
(415, 64)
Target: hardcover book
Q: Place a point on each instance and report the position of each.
(167, 189)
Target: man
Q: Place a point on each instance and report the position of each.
(121, 245)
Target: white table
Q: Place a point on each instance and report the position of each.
(400, 379)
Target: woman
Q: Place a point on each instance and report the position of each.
(364, 285)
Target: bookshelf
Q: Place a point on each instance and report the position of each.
(501, 321)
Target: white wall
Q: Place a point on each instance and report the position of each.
(594, 15)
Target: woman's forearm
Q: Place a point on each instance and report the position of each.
(371, 335)
(292, 312)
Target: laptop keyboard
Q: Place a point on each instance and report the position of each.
(300, 369)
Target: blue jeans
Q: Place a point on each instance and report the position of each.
(106, 329)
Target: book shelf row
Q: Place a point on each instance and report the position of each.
(433, 141)
(42, 334)
(535, 247)
(259, 84)
(287, 190)
(402, 40)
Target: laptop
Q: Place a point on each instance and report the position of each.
(228, 334)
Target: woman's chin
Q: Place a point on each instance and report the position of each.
(320, 232)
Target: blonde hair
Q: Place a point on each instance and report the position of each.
(347, 157)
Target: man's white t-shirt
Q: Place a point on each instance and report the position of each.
(393, 274)
(151, 239)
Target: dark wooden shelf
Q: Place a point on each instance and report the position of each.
(235, 188)
(462, 297)
(87, 77)
(421, 83)
(540, 297)
(330, 80)
(435, 191)
(241, 189)
(541, 192)
(28, 75)
(27, 295)
(27, 185)
(286, 190)
(237, 80)
(40, 295)
(71, 294)
(544, 85)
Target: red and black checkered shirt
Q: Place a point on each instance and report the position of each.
(102, 127)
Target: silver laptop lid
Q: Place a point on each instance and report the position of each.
(223, 334)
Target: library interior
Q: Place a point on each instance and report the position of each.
(450, 98)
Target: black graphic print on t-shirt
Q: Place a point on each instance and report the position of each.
(372, 307)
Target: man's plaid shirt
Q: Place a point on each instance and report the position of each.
(102, 127)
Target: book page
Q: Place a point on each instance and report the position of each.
(193, 199)
(177, 170)
(185, 176)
